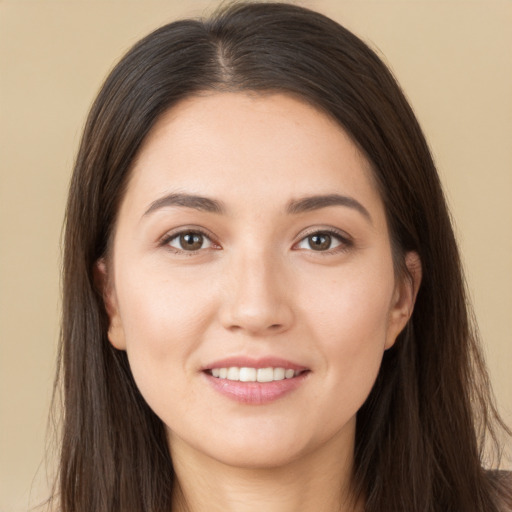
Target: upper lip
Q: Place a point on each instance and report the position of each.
(249, 362)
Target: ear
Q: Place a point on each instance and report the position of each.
(404, 297)
(105, 285)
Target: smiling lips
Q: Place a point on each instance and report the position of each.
(255, 382)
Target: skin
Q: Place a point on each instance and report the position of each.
(255, 287)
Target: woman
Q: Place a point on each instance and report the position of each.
(263, 299)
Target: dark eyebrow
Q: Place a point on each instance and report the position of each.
(188, 201)
(295, 206)
(310, 203)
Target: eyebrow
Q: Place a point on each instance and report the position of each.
(201, 203)
(295, 206)
(317, 202)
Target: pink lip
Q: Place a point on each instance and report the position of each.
(248, 362)
(255, 393)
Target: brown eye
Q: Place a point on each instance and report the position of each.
(323, 241)
(319, 241)
(190, 241)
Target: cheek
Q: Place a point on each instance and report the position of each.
(164, 322)
(352, 331)
(354, 305)
(158, 311)
(351, 327)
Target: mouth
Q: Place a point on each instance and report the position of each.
(254, 382)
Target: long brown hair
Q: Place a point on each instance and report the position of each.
(421, 432)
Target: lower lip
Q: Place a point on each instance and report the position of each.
(255, 393)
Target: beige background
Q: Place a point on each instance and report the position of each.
(453, 58)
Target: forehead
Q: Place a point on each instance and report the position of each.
(271, 147)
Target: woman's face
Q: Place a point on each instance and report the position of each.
(251, 281)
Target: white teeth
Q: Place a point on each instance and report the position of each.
(246, 374)
(265, 375)
(289, 374)
(233, 373)
(279, 373)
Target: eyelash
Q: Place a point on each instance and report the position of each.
(345, 243)
(166, 240)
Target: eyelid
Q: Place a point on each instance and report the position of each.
(176, 232)
(346, 241)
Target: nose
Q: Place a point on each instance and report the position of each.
(256, 297)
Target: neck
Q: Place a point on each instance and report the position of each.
(313, 483)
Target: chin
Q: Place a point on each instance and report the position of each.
(257, 457)
(246, 448)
